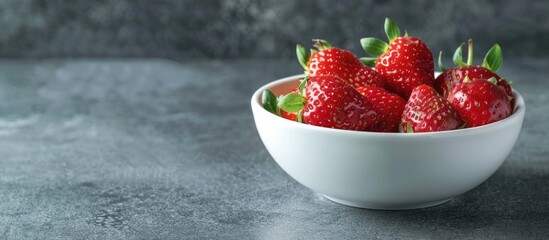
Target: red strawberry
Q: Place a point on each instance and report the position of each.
(450, 78)
(453, 77)
(330, 102)
(480, 102)
(331, 61)
(387, 105)
(426, 111)
(405, 62)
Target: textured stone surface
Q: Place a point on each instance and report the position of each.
(153, 149)
(245, 28)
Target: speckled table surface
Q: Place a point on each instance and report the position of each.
(153, 149)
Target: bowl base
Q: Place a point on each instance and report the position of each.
(378, 206)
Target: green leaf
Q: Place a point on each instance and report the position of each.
(299, 117)
(440, 64)
(492, 80)
(458, 57)
(391, 29)
(493, 59)
(374, 46)
(292, 102)
(368, 61)
(302, 56)
(270, 102)
(302, 86)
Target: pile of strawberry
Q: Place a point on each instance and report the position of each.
(401, 94)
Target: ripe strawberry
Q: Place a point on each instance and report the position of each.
(405, 62)
(426, 111)
(330, 102)
(330, 61)
(480, 102)
(387, 105)
(450, 78)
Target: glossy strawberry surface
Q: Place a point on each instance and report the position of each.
(450, 78)
(345, 65)
(387, 105)
(427, 111)
(407, 64)
(332, 103)
(480, 102)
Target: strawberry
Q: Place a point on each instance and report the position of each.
(387, 105)
(326, 60)
(330, 102)
(426, 111)
(450, 78)
(480, 102)
(405, 62)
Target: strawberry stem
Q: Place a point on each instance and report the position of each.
(470, 52)
(302, 86)
(321, 44)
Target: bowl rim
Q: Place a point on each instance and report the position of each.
(518, 111)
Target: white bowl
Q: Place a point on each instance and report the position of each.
(385, 170)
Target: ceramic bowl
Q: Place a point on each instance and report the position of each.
(385, 170)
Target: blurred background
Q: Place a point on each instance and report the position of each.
(208, 29)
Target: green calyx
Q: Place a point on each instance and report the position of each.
(368, 61)
(292, 102)
(270, 102)
(493, 59)
(321, 44)
(391, 29)
(458, 57)
(376, 46)
(440, 64)
(492, 80)
(303, 56)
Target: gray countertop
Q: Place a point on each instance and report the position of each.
(154, 149)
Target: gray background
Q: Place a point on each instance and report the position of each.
(140, 147)
(261, 29)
